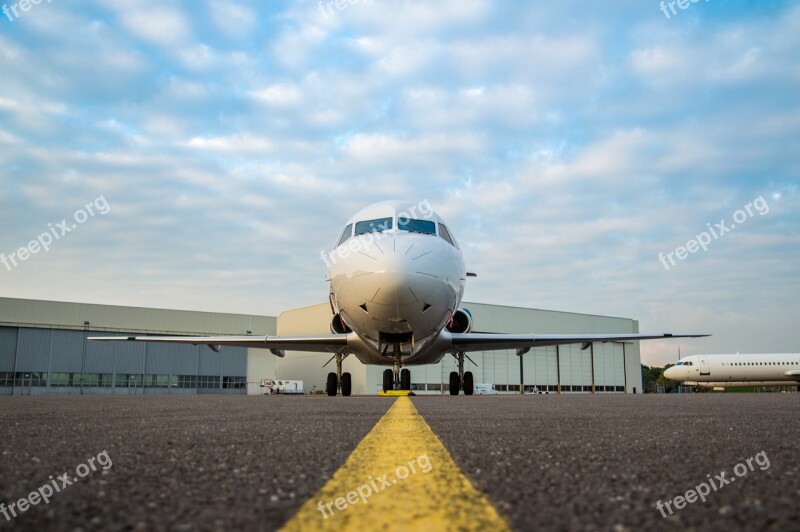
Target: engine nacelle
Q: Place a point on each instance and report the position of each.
(338, 326)
(461, 322)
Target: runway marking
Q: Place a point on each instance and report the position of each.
(442, 499)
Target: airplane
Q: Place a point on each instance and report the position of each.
(396, 278)
(725, 371)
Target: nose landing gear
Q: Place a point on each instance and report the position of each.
(397, 378)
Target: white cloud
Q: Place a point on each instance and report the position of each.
(152, 21)
(234, 19)
(278, 95)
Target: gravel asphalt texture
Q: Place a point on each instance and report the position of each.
(580, 462)
(546, 462)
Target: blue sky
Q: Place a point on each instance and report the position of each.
(566, 144)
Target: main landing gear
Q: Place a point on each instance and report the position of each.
(339, 381)
(461, 377)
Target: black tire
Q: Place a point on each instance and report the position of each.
(388, 380)
(469, 383)
(331, 385)
(455, 383)
(405, 379)
(347, 384)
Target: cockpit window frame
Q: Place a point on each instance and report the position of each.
(444, 233)
(347, 233)
(416, 225)
(377, 225)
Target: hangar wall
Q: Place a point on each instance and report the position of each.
(610, 367)
(43, 350)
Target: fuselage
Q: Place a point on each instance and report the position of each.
(396, 278)
(775, 369)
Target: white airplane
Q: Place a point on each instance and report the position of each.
(720, 371)
(396, 278)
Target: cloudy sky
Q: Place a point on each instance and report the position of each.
(567, 145)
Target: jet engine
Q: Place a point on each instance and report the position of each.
(338, 326)
(460, 322)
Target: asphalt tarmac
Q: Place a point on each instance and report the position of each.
(602, 462)
(546, 462)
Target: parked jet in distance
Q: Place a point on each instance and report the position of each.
(721, 371)
(396, 277)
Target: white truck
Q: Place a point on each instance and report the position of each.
(485, 389)
(283, 387)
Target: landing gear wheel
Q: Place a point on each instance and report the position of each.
(405, 379)
(347, 384)
(455, 383)
(388, 380)
(331, 385)
(469, 386)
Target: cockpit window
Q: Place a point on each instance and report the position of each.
(373, 226)
(346, 233)
(411, 225)
(444, 233)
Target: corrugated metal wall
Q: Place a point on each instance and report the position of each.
(8, 348)
(49, 337)
(33, 351)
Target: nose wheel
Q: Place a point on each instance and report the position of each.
(396, 378)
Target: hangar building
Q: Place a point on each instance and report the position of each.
(43, 350)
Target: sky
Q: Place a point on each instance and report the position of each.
(615, 158)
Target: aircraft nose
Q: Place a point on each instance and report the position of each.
(397, 273)
(671, 373)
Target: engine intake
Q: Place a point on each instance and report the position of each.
(338, 326)
(461, 321)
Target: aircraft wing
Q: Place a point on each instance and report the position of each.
(524, 342)
(323, 343)
(793, 373)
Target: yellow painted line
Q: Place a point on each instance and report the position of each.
(442, 498)
(395, 393)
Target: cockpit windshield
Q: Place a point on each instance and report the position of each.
(373, 226)
(346, 233)
(416, 226)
